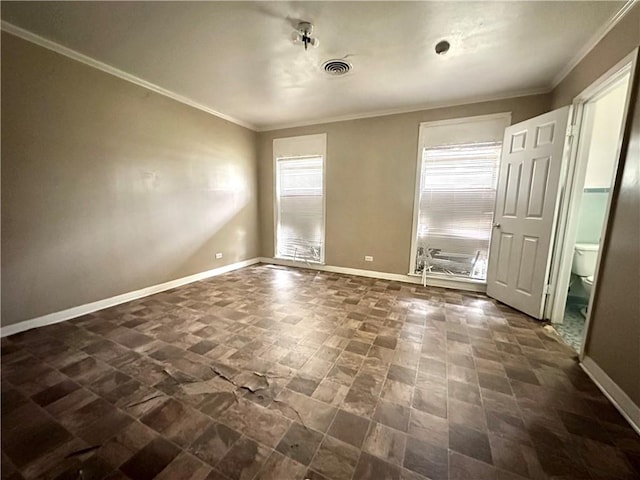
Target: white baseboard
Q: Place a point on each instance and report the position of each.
(80, 310)
(431, 282)
(629, 410)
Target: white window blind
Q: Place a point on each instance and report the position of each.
(455, 210)
(300, 208)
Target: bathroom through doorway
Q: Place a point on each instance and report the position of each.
(599, 118)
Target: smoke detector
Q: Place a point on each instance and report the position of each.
(336, 67)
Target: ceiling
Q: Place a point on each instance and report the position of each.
(237, 58)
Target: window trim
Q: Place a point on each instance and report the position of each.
(303, 146)
(422, 132)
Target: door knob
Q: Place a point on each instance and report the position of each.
(496, 225)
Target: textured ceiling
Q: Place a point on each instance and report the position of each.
(237, 58)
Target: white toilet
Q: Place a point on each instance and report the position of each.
(585, 256)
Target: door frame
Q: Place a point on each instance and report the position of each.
(572, 191)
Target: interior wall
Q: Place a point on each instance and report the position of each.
(606, 125)
(370, 181)
(608, 113)
(614, 331)
(108, 187)
(592, 214)
(616, 45)
(614, 336)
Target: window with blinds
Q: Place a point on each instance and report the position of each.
(458, 166)
(300, 208)
(457, 197)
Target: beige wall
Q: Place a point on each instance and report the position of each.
(108, 187)
(614, 334)
(617, 44)
(607, 113)
(370, 181)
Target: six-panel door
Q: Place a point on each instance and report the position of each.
(525, 213)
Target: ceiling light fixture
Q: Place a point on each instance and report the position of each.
(302, 35)
(442, 47)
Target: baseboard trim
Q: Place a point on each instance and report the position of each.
(629, 410)
(80, 310)
(431, 282)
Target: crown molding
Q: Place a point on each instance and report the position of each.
(593, 41)
(419, 108)
(92, 62)
(56, 47)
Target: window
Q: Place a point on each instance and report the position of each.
(299, 172)
(455, 196)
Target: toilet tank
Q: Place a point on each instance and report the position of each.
(585, 256)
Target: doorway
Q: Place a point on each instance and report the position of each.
(599, 114)
(541, 195)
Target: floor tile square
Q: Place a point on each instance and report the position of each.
(349, 428)
(300, 443)
(373, 468)
(335, 459)
(151, 460)
(470, 442)
(426, 459)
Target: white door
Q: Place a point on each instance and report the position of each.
(526, 201)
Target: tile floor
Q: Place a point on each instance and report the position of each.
(572, 329)
(277, 373)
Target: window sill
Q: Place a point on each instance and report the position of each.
(451, 278)
(300, 260)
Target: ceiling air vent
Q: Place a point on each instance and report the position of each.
(336, 67)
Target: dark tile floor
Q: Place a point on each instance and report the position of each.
(277, 373)
(572, 329)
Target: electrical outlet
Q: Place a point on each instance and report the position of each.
(218, 255)
(368, 258)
